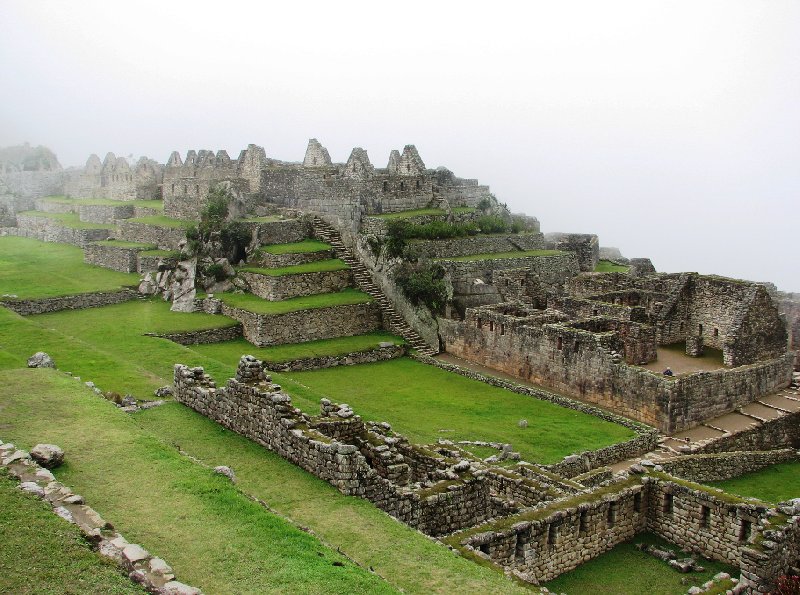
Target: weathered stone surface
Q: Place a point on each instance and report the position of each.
(226, 471)
(49, 456)
(41, 360)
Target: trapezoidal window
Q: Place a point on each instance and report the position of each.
(491, 325)
(314, 161)
(418, 184)
(700, 330)
(480, 323)
(559, 343)
(402, 185)
(611, 515)
(552, 533)
(705, 517)
(502, 329)
(386, 186)
(197, 189)
(185, 190)
(745, 530)
(173, 189)
(637, 502)
(716, 332)
(669, 503)
(484, 547)
(583, 525)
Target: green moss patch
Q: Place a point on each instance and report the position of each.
(606, 266)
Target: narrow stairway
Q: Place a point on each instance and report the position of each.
(364, 282)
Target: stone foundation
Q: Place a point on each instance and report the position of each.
(284, 287)
(165, 238)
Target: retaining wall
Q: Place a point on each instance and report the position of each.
(68, 302)
(283, 287)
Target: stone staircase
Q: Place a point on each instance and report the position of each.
(364, 282)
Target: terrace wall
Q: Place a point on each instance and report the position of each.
(165, 238)
(478, 244)
(722, 466)
(279, 232)
(276, 288)
(124, 260)
(331, 361)
(275, 261)
(106, 214)
(68, 302)
(306, 325)
(50, 230)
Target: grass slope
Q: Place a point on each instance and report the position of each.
(107, 345)
(777, 483)
(406, 558)
(229, 352)
(33, 269)
(124, 244)
(105, 202)
(212, 534)
(426, 403)
(42, 553)
(318, 266)
(422, 212)
(606, 266)
(253, 303)
(502, 255)
(163, 221)
(625, 570)
(304, 247)
(68, 220)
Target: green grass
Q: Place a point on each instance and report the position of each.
(105, 202)
(162, 253)
(252, 303)
(213, 535)
(229, 352)
(423, 212)
(606, 266)
(304, 247)
(426, 403)
(624, 570)
(318, 266)
(502, 255)
(124, 244)
(43, 554)
(163, 221)
(405, 557)
(33, 269)
(776, 483)
(70, 220)
(107, 345)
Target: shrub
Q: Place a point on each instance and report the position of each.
(484, 204)
(492, 224)
(787, 585)
(424, 285)
(217, 271)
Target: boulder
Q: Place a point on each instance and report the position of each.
(41, 360)
(226, 471)
(47, 455)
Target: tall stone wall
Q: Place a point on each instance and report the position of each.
(283, 287)
(306, 325)
(585, 246)
(166, 238)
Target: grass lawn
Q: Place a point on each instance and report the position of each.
(421, 212)
(318, 266)
(406, 558)
(627, 571)
(124, 244)
(33, 269)
(304, 247)
(105, 202)
(68, 220)
(606, 266)
(425, 403)
(777, 483)
(163, 221)
(42, 553)
(501, 255)
(252, 303)
(107, 345)
(212, 534)
(229, 352)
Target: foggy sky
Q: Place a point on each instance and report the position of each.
(670, 129)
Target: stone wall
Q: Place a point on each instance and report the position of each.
(722, 466)
(368, 356)
(789, 305)
(306, 325)
(378, 226)
(115, 178)
(165, 238)
(276, 288)
(107, 214)
(68, 302)
(585, 246)
(776, 433)
(352, 462)
(478, 244)
(117, 258)
(150, 263)
(275, 261)
(202, 337)
(51, 230)
(33, 184)
(10, 205)
(279, 232)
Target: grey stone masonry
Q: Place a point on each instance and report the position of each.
(51, 230)
(165, 238)
(123, 259)
(367, 356)
(68, 302)
(306, 325)
(202, 337)
(479, 244)
(276, 288)
(722, 466)
(274, 261)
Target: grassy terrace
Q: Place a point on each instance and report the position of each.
(107, 345)
(502, 255)
(318, 266)
(777, 483)
(304, 247)
(454, 407)
(68, 220)
(162, 253)
(203, 525)
(33, 269)
(229, 352)
(422, 212)
(606, 266)
(252, 303)
(266, 219)
(105, 202)
(124, 244)
(626, 570)
(34, 538)
(163, 221)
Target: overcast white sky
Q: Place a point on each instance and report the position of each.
(670, 129)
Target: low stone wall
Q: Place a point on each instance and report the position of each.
(68, 302)
(722, 466)
(108, 214)
(371, 225)
(331, 361)
(776, 433)
(52, 206)
(478, 244)
(202, 337)
(646, 439)
(166, 238)
(148, 264)
(275, 261)
(284, 287)
(10, 205)
(50, 230)
(355, 462)
(280, 232)
(306, 325)
(155, 575)
(120, 259)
